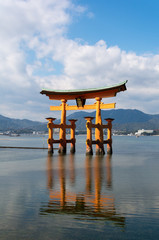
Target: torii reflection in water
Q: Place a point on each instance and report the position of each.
(90, 202)
(100, 200)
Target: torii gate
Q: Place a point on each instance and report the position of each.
(80, 96)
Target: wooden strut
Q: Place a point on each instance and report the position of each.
(85, 107)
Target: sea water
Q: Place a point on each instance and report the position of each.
(76, 196)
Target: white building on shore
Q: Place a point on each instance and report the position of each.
(142, 131)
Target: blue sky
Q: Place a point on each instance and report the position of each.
(130, 24)
(71, 44)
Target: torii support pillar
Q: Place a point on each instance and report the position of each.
(109, 135)
(99, 129)
(50, 133)
(89, 150)
(73, 140)
(62, 145)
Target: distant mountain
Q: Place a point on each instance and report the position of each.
(11, 124)
(125, 120)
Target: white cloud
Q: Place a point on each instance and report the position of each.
(36, 53)
(25, 25)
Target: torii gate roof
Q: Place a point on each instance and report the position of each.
(103, 92)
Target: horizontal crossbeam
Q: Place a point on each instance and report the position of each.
(59, 141)
(86, 107)
(61, 125)
(104, 141)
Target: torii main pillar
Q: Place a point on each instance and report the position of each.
(62, 145)
(99, 129)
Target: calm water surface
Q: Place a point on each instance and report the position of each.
(79, 197)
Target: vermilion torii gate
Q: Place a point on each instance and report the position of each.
(80, 96)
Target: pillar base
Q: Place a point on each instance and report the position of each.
(100, 151)
(50, 150)
(89, 151)
(72, 150)
(62, 150)
(109, 150)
